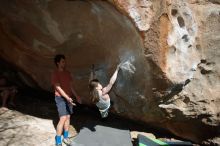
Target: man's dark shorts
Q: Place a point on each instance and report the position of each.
(63, 107)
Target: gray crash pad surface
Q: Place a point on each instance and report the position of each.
(100, 135)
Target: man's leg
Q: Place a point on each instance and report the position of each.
(60, 127)
(66, 138)
(13, 93)
(5, 95)
(66, 127)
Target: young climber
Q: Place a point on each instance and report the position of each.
(63, 87)
(99, 93)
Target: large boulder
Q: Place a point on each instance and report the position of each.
(170, 50)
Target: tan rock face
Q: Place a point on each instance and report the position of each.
(170, 49)
(16, 127)
(86, 32)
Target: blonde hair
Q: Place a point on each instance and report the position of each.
(93, 91)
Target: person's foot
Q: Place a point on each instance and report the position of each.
(58, 144)
(67, 141)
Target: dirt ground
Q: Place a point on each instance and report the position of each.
(42, 106)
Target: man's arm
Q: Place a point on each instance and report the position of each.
(56, 84)
(63, 94)
(111, 82)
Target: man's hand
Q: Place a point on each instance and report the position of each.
(72, 103)
(70, 100)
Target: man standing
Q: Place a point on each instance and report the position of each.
(7, 91)
(63, 86)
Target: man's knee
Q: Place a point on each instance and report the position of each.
(63, 118)
(68, 117)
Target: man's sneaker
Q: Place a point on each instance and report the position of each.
(58, 144)
(67, 141)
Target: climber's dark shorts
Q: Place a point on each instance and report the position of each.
(63, 107)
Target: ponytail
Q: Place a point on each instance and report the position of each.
(94, 93)
(95, 96)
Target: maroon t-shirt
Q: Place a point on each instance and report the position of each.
(64, 79)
